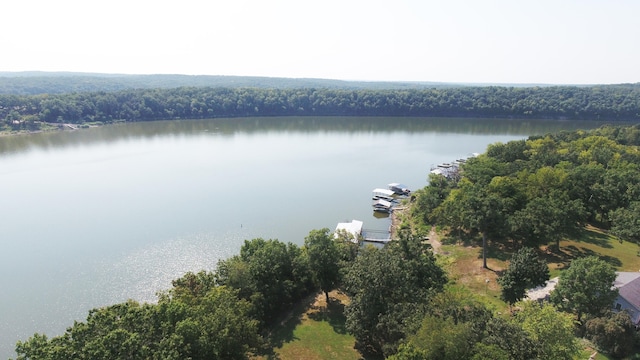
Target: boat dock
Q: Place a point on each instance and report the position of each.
(376, 236)
(451, 170)
(384, 201)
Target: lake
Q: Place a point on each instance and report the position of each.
(97, 216)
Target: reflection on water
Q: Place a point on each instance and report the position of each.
(258, 125)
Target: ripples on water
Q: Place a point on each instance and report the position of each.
(145, 271)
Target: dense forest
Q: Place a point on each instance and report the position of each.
(537, 191)
(31, 112)
(523, 195)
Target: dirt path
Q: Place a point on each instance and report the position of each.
(396, 219)
(434, 240)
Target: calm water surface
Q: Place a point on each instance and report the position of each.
(98, 216)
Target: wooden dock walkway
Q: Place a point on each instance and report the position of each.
(376, 236)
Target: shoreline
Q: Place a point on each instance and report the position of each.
(396, 219)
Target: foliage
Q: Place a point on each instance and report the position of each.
(547, 218)
(389, 288)
(626, 223)
(409, 352)
(324, 259)
(509, 336)
(612, 333)
(552, 331)
(586, 287)
(542, 190)
(171, 329)
(474, 207)
(461, 307)
(454, 323)
(268, 273)
(526, 270)
(426, 200)
(440, 338)
(482, 352)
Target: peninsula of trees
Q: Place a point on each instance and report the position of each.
(604, 102)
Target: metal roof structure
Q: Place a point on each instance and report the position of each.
(354, 228)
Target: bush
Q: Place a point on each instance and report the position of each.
(613, 333)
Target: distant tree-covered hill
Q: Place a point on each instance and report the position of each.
(33, 83)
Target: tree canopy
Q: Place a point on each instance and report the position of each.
(186, 323)
(526, 270)
(586, 287)
(388, 289)
(324, 258)
(541, 190)
(268, 273)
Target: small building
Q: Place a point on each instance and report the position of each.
(628, 285)
(354, 228)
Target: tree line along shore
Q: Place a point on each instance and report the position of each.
(603, 102)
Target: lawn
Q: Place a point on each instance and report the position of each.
(463, 260)
(623, 256)
(316, 331)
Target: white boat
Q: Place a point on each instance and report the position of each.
(399, 189)
(383, 194)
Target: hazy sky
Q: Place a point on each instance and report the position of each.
(502, 41)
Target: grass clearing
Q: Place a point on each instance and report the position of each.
(316, 331)
(623, 256)
(463, 260)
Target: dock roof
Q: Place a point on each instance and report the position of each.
(386, 192)
(354, 228)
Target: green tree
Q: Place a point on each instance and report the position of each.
(509, 336)
(409, 352)
(586, 287)
(454, 323)
(270, 274)
(526, 270)
(625, 222)
(442, 338)
(461, 306)
(429, 198)
(323, 259)
(552, 331)
(472, 208)
(482, 352)
(210, 325)
(548, 218)
(612, 333)
(389, 289)
(192, 287)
